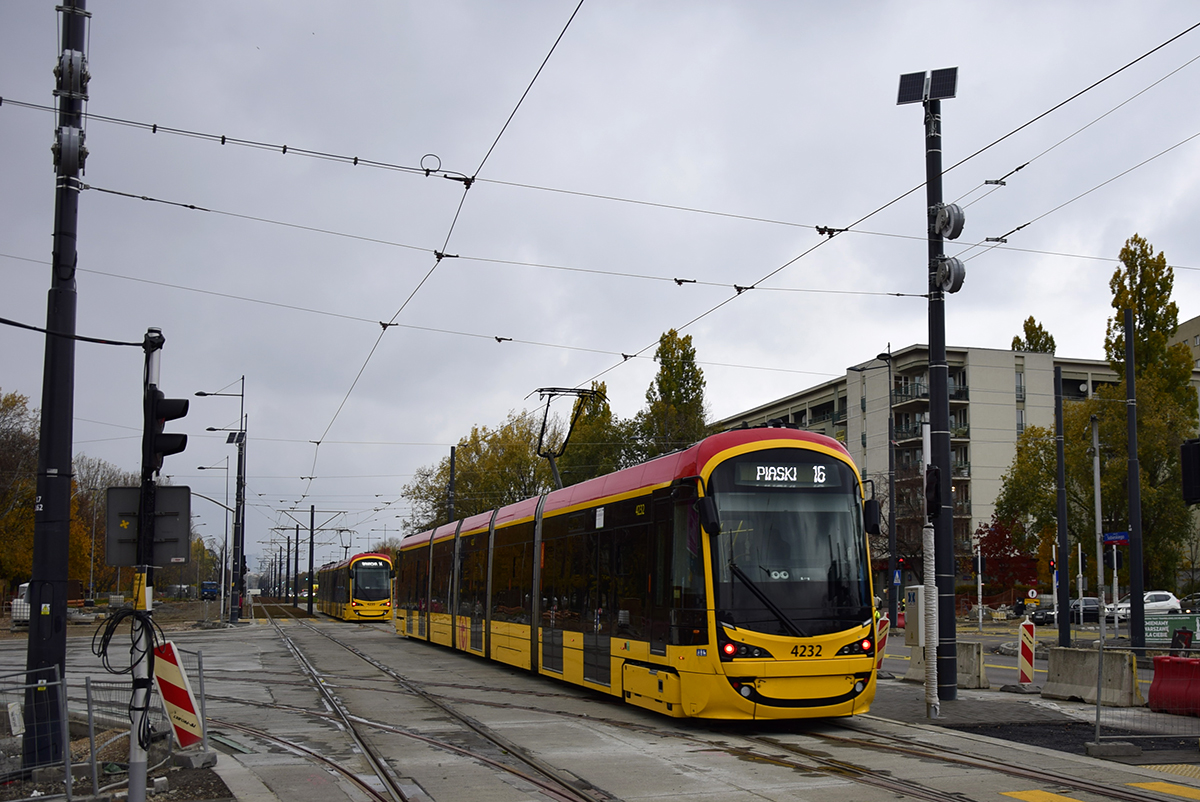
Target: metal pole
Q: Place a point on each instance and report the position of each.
(312, 516)
(1099, 564)
(1062, 589)
(296, 572)
(939, 417)
(225, 546)
(47, 644)
(239, 521)
(143, 601)
(893, 601)
(450, 489)
(1137, 601)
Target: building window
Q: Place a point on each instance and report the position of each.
(1020, 385)
(1020, 421)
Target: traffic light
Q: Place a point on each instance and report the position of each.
(162, 410)
(933, 491)
(978, 562)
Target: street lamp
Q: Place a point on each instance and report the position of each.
(238, 437)
(225, 542)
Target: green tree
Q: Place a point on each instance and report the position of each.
(18, 486)
(1037, 339)
(1143, 282)
(675, 414)
(600, 443)
(1167, 415)
(493, 467)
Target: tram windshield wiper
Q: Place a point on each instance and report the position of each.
(787, 623)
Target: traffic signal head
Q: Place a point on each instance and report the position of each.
(933, 492)
(1052, 565)
(162, 410)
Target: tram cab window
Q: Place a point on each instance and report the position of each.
(791, 531)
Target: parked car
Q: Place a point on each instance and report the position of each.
(1091, 607)
(1155, 602)
(1044, 614)
(1190, 604)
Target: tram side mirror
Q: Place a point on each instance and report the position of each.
(871, 516)
(708, 516)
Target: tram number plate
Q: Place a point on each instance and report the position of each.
(807, 650)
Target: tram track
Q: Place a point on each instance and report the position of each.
(779, 750)
(544, 777)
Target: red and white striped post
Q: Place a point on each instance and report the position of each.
(881, 635)
(1025, 658)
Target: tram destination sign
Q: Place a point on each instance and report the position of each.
(787, 474)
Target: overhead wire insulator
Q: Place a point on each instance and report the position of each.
(72, 75)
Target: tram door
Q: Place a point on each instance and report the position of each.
(597, 612)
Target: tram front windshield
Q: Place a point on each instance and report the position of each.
(371, 580)
(791, 558)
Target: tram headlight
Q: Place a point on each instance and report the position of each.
(863, 646)
(730, 649)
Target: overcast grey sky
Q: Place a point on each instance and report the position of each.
(776, 117)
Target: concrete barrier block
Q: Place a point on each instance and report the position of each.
(971, 673)
(1071, 674)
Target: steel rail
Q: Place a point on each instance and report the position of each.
(546, 770)
(377, 764)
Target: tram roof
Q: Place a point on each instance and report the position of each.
(657, 472)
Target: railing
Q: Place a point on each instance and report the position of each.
(908, 432)
(961, 470)
(1021, 393)
(839, 416)
(913, 392)
(959, 392)
(960, 432)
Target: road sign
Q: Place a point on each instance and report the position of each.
(177, 696)
(1032, 593)
(172, 525)
(1025, 658)
(1116, 538)
(896, 578)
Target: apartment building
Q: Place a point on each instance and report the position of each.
(994, 395)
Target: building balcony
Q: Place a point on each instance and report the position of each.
(960, 432)
(959, 392)
(961, 470)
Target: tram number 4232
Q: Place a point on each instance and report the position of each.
(806, 650)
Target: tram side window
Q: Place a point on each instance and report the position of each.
(472, 576)
(564, 577)
(512, 583)
(442, 568)
(631, 573)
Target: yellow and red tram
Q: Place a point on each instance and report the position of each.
(356, 589)
(730, 580)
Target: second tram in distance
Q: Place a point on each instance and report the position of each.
(730, 580)
(356, 589)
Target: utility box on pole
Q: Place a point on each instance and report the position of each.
(914, 616)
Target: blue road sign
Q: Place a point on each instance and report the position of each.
(1118, 538)
(896, 579)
